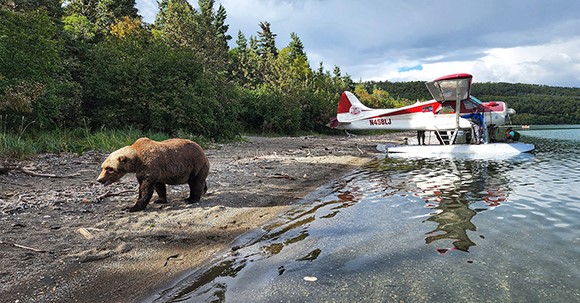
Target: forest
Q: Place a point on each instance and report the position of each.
(94, 65)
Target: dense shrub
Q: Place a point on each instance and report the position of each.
(152, 86)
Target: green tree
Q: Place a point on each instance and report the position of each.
(266, 41)
(174, 23)
(296, 47)
(211, 34)
(109, 12)
(79, 27)
(33, 81)
(204, 32)
(153, 86)
(244, 63)
(93, 18)
(267, 52)
(53, 8)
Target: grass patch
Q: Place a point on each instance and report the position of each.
(19, 145)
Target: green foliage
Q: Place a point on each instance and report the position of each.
(244, 62)
(534, 104)
(95, 17)
(34, 82)
(204, 32)
(79, 27)
(153, 86)
(267, 41)
(93, 64)
(415, 90)
(267, 111)
(52, 8)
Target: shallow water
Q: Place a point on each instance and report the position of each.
(417, 230)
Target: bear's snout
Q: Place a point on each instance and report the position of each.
(102, 178)
(105, 179)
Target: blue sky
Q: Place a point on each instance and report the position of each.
(525, 41)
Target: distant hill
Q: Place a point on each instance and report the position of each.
(534, 104)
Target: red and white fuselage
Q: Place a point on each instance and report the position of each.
(438, 114)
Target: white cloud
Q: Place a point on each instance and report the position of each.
(555, 63)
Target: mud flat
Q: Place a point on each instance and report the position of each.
(66, 238)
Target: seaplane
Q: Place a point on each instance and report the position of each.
(445, 116)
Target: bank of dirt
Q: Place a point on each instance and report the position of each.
(66, 238)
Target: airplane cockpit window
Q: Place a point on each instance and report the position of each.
(445, 109)
(471, 103)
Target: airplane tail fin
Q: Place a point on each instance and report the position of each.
(349, 107)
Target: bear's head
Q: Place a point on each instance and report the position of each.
(118, 163)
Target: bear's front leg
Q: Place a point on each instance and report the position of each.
(145, 193)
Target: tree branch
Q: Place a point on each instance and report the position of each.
(22, 246)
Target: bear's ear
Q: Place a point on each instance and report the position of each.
(122, 159)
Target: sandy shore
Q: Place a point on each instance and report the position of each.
(65, 238)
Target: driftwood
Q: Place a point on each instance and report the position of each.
(359, 150)
(22, 246)
(6, 169)
(282, 176)
(85, 233)
(110, 194)
(177, 257)
(35, 174)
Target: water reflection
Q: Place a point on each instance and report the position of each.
(453, 219)
(454, 190)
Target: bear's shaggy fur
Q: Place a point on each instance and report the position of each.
(173, 161)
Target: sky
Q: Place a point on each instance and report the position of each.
(515, 41)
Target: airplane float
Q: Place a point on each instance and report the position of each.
(442, 115)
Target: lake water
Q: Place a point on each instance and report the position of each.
(418, 230)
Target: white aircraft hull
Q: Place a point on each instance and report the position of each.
(491, 150)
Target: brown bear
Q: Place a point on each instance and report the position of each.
(173, 161)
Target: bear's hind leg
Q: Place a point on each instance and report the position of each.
(161, 190)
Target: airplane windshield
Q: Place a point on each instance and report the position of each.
(446, 90)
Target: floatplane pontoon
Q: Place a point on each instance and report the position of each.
(441, 116)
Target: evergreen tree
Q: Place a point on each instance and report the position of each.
(222, 28)
(211, 33)
(266, 41)
(244, 63)
(296, 47)
(174, 23)
(204, 32)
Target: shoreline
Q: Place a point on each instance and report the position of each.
(95, 252)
